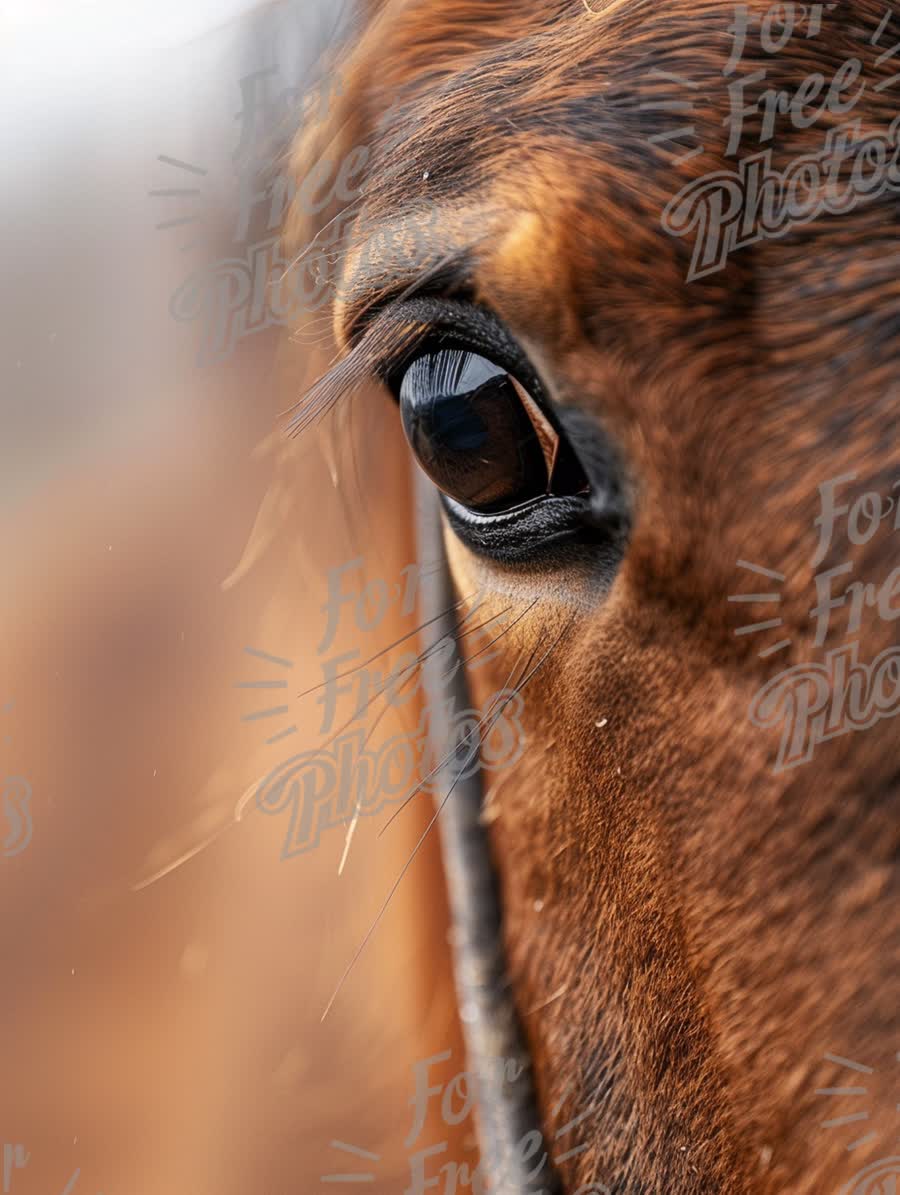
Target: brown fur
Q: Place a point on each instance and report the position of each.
(708, 929)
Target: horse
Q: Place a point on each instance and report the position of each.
(629, 273)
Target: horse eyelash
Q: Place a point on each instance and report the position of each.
(382, 347)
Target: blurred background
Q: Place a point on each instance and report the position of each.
(164, 968)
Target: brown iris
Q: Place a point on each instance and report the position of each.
(476, 431)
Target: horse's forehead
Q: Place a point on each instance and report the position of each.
(501, 81)
(570, 129)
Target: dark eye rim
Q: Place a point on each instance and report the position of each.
(525, 533)
(473, 329)
(540, 527)
(452, 324)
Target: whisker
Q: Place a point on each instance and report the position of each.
(459, 662)
(431, 823)
(561, 991)
(185, 857)
(374, 925)
(509, 626)
(417, 663)
(446, 759)
(318, 325)
(390, 647)
(351, 829)
(393, 889)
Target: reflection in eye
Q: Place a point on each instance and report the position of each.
(476, 432)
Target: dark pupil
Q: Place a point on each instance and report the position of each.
(470, 431)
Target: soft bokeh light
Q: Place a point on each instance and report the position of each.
(165, 971)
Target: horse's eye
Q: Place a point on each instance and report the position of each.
(485, 430)
(478, 434)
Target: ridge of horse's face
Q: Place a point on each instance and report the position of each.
(689, 930)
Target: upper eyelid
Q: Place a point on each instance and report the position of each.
(405, 265)
(395, 331)
(471, 326)
(406, 279)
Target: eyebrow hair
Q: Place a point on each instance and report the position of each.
(378, 341)
(450, 275)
